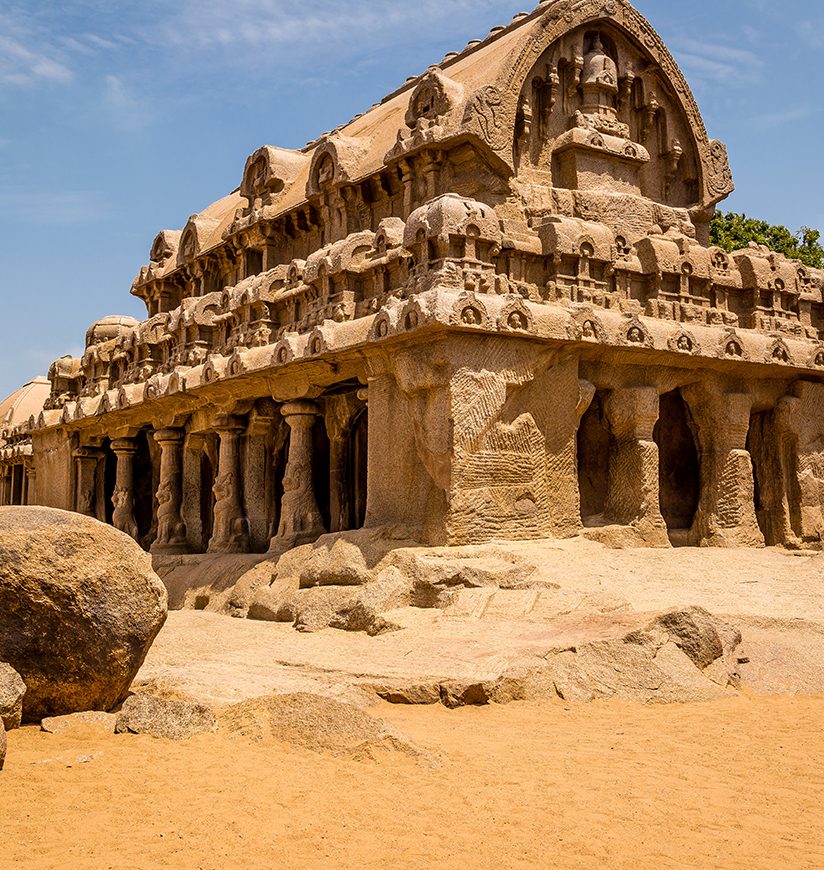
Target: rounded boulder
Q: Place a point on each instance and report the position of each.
(79, 608)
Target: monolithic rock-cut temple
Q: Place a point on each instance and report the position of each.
(485, 309)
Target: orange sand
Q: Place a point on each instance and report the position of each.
(737, 783)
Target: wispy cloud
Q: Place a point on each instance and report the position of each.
(718, 63)
(129, 113)
(284, 25)
(20, 65)
(33, 50)
(57, 208)
(812, 31)
(771, 120)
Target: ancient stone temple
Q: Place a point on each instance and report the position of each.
(485, 309)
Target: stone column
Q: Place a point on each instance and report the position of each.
(171, 530)
(632, 496)
(123, 497)
(300, 519)
(726, 507)
(231, 528)
(3, 486)
(31, 484)
(787, 413)
(85, 493)
(258, 494)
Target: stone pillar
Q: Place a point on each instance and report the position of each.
(171, 530)
(787, 415)
(86, 460)
(3, 486)
(123, 497)
(726, 508)
(258, 494)
(231, 528)
(31, 484)
(300, 519)
(632, 496)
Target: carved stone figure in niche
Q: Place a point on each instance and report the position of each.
(588, 331)
(471, 316)
(780, 354)
(733, 348)
(326, 171)
(516, 320)
(635, 335)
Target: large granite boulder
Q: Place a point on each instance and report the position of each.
(12, 689)
(79, 609)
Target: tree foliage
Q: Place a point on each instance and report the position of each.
(732, 232)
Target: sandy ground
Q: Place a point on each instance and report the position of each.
(736, 783)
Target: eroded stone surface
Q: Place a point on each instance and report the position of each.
(12, 689)
(591, 623)
(79, 608)
(80, 724)
(486, 309)
(159, 717)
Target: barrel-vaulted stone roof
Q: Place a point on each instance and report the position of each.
(24, 403)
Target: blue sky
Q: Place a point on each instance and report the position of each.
(118, 119)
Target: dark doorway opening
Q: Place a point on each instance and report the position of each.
(679, 467)
(109, 480)
(593, 449)
(207, 500)
(358, 468)
(320, 469)
(144, 490)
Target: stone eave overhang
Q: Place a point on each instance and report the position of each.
(301, 364)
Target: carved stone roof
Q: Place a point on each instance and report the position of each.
(24, 403)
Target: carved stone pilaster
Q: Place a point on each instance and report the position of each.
(123, 498)
(171, 530)
(31, 484)
(85, 495)
(726, 508)
(300, 519)
(231, 528)
(632, 496)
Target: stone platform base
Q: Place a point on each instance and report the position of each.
(361, 616)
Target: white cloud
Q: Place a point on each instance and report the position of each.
(55, 208)
(34, 51)
(128, 112)
(812, 32)
(771, 120)
(19, 65)
(718, 63)
(286, 26)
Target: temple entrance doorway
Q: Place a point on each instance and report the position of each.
(358, 468)
(320, 469)
(109, 480)
(207, 499)
(145, 487)
(679, 467)
(17, 474)
(593, 449)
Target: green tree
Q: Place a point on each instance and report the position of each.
(732, 232)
